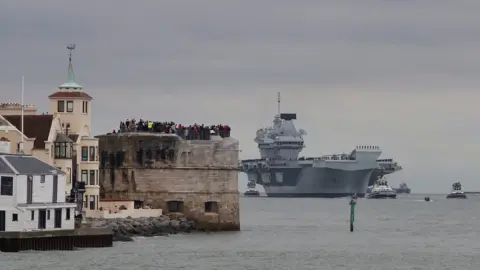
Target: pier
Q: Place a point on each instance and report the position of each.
(56, 240)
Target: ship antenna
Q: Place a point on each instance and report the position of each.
(278, 103)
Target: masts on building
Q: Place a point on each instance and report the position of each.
(20, 147)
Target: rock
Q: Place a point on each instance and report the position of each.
(99, 224)
(175, 224)
(121, 238)
(124, 229)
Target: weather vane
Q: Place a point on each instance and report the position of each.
(70, 47)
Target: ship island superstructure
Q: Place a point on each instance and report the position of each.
(283, 174)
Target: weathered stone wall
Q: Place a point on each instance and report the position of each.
(134, 166)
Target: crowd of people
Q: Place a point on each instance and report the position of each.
(191, 132)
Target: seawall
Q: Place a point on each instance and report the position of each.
(197, 179)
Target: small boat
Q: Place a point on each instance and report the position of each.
(427, 199)
(457, 192)
(403, 188)
(251, 193)
(381, 190)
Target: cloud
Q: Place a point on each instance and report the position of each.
(401, 74)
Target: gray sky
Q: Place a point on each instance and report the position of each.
(400, 74)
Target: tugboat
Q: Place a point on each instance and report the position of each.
(457, 192)
(381, 190)
(403, 188)
(252, 192)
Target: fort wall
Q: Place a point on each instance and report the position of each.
(197, 178)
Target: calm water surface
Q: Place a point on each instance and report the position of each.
(277, 233)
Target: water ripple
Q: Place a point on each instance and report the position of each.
(299, 234)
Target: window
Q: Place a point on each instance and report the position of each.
(67, 214)
(42, 179)
(92, 202)
(6, 186)
(84, 153)
(32, 215)
(63, 150)
(96, 179)
(175, 206)
(120, 158)
(69, 106)
(69, 175)
(85, 203)
(14, 217)
(92, 153)
(211, 207)
(48, 214)
(85, 107)
(61, 106)
(92, 177)
(84, 176)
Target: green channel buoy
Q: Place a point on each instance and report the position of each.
(352, 212)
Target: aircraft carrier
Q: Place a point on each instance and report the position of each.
(283, 174)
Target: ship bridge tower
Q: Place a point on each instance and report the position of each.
(282, 141)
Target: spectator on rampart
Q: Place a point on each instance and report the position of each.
(191, 132)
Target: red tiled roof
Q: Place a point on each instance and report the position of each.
(34, 126)
(70, 94)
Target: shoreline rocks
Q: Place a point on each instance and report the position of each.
(125, 228)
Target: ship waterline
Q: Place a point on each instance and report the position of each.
(312, 182)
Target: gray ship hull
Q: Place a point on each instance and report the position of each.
(312, 182)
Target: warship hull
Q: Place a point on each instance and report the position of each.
(312, 182)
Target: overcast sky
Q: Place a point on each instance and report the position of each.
(402, 74)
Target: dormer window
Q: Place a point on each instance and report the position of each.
(69, 106)
(63, 150)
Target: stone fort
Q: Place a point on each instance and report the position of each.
(196, 178)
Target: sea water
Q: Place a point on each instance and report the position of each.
(300, 233)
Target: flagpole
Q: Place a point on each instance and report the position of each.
(23, 91)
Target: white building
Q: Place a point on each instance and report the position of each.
(62, 138)
(32, 195)
(74, 108)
